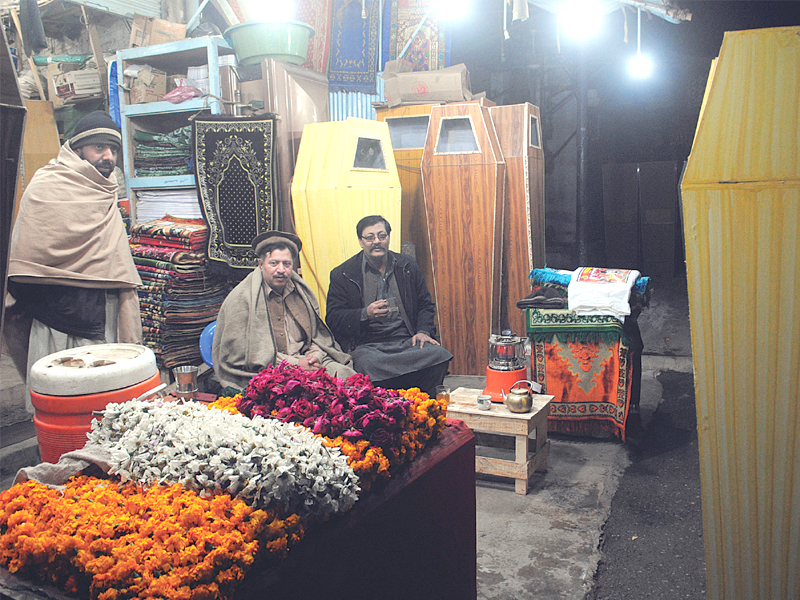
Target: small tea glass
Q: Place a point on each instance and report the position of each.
(443, 393)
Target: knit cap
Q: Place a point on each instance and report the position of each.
(96, 128)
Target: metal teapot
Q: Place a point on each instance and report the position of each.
(520, 399)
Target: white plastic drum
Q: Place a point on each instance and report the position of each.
(92, 369)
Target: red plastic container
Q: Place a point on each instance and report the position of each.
(68, 386)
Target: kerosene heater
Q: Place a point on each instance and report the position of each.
(506, 364)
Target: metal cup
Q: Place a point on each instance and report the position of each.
(185, 381)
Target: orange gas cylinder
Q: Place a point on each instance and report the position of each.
(68, 386)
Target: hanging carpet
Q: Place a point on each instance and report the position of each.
(428, 51)
(234, 158)
(316, 13)
(354, 45)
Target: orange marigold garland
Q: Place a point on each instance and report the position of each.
(122, 542)
(425, 420)
(227, 403)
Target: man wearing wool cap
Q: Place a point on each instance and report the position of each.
(70, 267)
(273, 316)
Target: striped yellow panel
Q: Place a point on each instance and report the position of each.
(330, 195)
(741, 202)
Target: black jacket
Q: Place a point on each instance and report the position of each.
(346, 299)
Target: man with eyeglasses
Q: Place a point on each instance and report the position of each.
(273, 316)
(381, 312)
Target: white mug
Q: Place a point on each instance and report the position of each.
(484, 402)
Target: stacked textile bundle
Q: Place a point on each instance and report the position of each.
(160, 155)
(550, 289)
(179, 297)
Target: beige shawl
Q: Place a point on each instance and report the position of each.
(70, 232)
(243, 343)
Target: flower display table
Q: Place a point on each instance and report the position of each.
(501, 421)
(414, 538)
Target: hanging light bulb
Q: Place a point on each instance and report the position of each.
(640, 65)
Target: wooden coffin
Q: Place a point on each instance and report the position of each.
(345, 171)
(520, 136)
(408, 128)
(463, 177)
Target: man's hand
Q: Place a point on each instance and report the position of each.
(422, 338)
(378, 310)
(309, 363)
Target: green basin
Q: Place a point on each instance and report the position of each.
(254, 41)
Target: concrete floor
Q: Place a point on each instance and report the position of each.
(544, 545)
(547, 545)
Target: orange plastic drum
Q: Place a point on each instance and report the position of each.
(68, 386)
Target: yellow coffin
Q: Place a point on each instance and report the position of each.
(741, 202)
(345, 171)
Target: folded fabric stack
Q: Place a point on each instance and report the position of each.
(550, 284)
(598, 291)
(161, 155)
(178, 297)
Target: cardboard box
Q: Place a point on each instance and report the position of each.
(148, 31)
(78, 84)
(445, 85)
(149, 86)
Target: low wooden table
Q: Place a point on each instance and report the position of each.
(500, 421)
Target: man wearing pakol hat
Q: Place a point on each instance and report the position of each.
(273, 316)
(70, 265)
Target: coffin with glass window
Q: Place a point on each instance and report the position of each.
(408, 128)
(463, 176)
(345, 171)
(519, 133)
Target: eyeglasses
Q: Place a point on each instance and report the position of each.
(371, 237)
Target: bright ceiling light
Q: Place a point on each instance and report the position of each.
(450, 10)
(580, 19)
(640, 66)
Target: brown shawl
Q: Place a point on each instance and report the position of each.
(70, 232)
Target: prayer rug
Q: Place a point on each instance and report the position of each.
(586, 363)
(354, 45)
(429, 50)
(317, 13)
(234, 168)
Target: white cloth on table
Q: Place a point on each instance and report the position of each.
(598, 291)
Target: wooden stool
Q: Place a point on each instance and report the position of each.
(501, 421)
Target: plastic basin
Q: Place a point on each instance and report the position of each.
(254, 41)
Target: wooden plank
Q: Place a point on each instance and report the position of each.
(500, 468)
(226, 12)
(40, 142)
(539, 461)
(97, 51)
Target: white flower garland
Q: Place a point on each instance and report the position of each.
(263, 461)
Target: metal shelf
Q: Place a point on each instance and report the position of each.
(173, 58)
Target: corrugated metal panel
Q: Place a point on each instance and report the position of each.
(741, 198)
(125, 8)
(355, 104)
